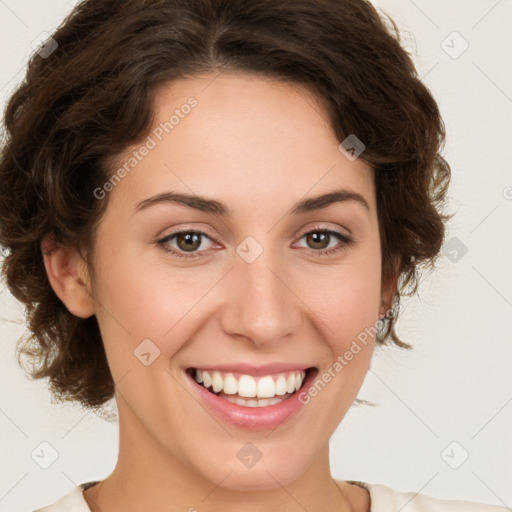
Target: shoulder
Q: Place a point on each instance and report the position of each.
(71, 502)
(385, 499)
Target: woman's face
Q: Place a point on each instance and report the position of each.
(253, 286)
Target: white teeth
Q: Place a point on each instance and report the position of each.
(290, 384)
(246, 386)
(230, 384)
(298, 382)
(266, 387)
(249, 387)
(217, 382)
(207, 380)
(260, 402)
(281, 385)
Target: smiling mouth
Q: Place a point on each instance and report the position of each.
(249, 391)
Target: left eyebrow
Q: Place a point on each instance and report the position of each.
(336, 196)
(207, 205)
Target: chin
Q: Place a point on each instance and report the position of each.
(263, 479)
(267, 473)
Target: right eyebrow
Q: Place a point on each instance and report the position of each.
(336, 196)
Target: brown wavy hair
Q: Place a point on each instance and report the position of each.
(85, 102)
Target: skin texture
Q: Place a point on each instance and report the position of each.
(259, 146)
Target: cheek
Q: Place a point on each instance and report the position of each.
(346, 319)
(346, 299)
(141, 300)
(353, 312)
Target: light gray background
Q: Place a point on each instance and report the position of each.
(456, 383)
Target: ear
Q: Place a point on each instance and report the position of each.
(68, 276)
(389, 287)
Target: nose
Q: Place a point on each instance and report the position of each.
(260, 304)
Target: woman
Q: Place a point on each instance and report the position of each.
(211, 209)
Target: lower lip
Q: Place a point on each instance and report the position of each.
(253, 418)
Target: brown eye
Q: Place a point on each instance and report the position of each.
(182, 242)
(319, 241)
(188, 241)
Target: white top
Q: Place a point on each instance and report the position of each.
(383, 499)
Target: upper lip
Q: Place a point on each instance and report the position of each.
(255, 370)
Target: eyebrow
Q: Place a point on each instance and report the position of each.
(207, 205)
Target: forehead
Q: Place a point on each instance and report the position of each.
(246, 138)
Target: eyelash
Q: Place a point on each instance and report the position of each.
(346, 241)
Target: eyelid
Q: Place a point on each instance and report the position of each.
(212, 235)
(162, 240)
(323, 227)
(344, 239)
